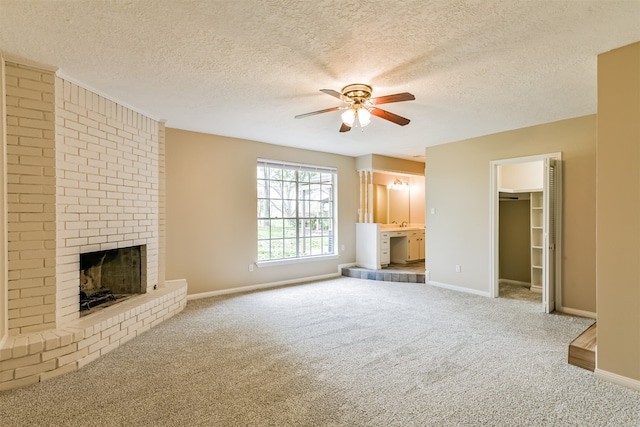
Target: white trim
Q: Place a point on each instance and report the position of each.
(515, 282)
(75, 81)
(617, 379)
(277, 262)
(458, 288)
(576, 312)
(258, 287)
(494, 285)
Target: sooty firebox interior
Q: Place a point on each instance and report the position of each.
(107, 277)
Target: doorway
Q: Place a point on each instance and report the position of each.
(517, 176)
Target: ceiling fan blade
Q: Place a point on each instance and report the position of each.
(345, 128)
(399, 120)
(398, 97)
(337, 94)
(313, 113)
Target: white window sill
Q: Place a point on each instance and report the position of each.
(278, 262)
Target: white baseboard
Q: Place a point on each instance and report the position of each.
(617, 379)
(515, 282)
(260, 286)
(458, 288)
(576, 312)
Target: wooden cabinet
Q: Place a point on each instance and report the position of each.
(376, 248)
(537, 240)
(415, 243)
(385, 248)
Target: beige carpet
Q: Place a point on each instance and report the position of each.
(343, 352)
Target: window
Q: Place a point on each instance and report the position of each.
(296, 210)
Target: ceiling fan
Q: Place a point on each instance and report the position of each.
(360, 106)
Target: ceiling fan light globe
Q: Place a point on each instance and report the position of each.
(349, 117)
(364, 117)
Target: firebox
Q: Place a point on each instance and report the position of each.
(108, 277)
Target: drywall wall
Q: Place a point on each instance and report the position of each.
(458, 188)
(211, 211)
(618, 207)
(515, 237)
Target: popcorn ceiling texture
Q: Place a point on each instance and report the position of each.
(245, 68)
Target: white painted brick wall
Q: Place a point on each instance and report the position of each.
(107, 185)
(30, 112)
(83, 174)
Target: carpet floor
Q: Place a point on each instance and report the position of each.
(340, 352)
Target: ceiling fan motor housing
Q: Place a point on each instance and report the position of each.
(358, 92)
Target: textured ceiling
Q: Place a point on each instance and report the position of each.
(245, 68)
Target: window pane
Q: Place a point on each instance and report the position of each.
(305, 247)
(263, 188)
(315, 209)
(275, 173)
(277, 229)
(264, 227)
(290, 228)
(290, 250)
(303, 209)
(289, 208)
(294, 211)
(289, 175)
(275, 209)
(275, 189)
(327, 209)
(316, 245)
(277, 249)
(262, 172)
(263, 208)
(314, 192)
(289, 190)
(263, 250)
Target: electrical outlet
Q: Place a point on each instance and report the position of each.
(250, 267)
(342, 248)
(458, 268)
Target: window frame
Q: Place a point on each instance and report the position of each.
(302, 222)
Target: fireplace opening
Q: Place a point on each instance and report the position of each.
(111, 276)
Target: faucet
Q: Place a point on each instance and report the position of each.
(394, 222)
(404, 224)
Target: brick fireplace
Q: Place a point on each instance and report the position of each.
(84, 174)
(111, 276)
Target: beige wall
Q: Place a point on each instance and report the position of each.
(618, 209)
(458, 187)
(211, 211)
(515, 236)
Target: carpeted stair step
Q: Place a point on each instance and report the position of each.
(582, 350)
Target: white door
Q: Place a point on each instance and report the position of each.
(550, 213)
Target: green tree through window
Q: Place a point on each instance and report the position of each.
(296, 210)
